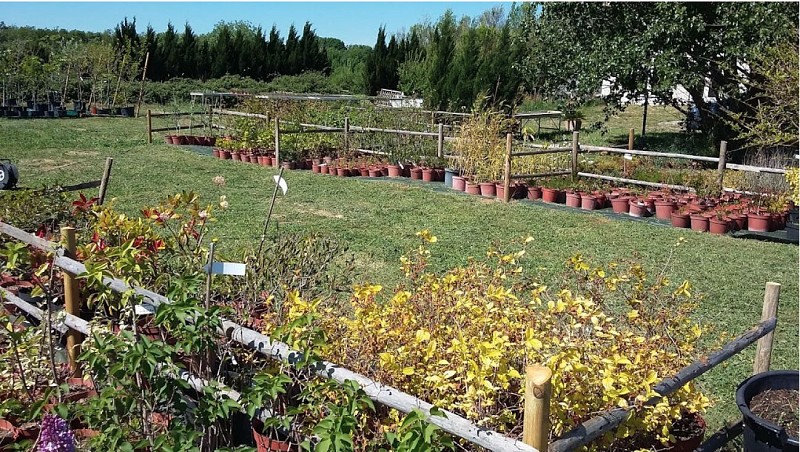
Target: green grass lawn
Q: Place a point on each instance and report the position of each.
(378, 220)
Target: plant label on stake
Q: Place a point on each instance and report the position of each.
(281, 183)
(226, 268)
(628, 156)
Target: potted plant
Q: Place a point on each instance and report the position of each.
(768, 402)
(680, 217)
(793, 179)
(719, 223)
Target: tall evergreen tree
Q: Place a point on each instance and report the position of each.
(442, 47)
(188, 52)
(275, 53)
(223, 52)
(168, 52)
(292, 60)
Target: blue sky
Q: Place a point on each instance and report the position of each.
(352, 22)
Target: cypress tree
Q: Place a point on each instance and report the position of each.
(222, 54)
(188, 52)
(275, 53)
(292, 61)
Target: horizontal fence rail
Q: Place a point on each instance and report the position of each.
(593, 428)
(386, 395)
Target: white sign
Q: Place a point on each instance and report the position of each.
(281, 183)
(226, 268)
(628, 156)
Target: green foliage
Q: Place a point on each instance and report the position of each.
(42, 210)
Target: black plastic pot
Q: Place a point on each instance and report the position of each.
(792, 233)
(759, 434)
(127, 112)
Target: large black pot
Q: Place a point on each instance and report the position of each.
(792, 233)
(759, 434)
(127, 112)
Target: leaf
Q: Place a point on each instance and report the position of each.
(408, 371)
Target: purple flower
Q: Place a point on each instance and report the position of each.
(56, 435)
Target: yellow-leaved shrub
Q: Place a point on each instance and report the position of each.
(461, 339)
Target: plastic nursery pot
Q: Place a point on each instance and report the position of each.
(448, 177)
(792, 232)
(534, 192)
(428, 175)
(718, 226)
(680, 220)
(758, 222)
(472, 189)
(761, 434)
(459, 183)
(552, 195)
(588, 202)
(638, 209)
(699, 223)
(664, 209)
(488, 189)
(573, 199)
(416, 173)
(621, 204)
(394, 170)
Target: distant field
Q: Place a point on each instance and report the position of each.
(378, 220)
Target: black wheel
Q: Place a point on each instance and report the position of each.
(8, 176)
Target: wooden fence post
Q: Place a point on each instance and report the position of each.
(104, 181)
(346, 134)
(630, 139)
(440, 143)
(72, 302)
(149, 127)
(574, 169)
(769, 310)
(211, 120)
(277, 162)
(506, 167)
(536, 420)
(723, 156)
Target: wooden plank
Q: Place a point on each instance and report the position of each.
(755, 169)
(393, 131)
(507, 171)
(576, 147)
(239, 113)
(635, 182)
(592, 429)
(542, 151)
(547, 174)
(30, 239)
(327, 130)
(769, 310)
(698, 158)
(173, 113)
(387, 395)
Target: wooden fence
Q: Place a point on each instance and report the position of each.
(347, 130)
(537, 381)
(386, 395)
(577, 149)
(178, 115)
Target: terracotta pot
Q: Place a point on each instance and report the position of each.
(472, 189)
(699, 222)
(573, 199)
(167, 139)
(215, 153)
(718, 226)
(394, 170)
(588, 202)
(363, 171)
(459, 183)
(620, 204)
(181, 140)
(602, 199)
(638, 208)
(740, 221)
(488, 189)
(534, 192)
(680, 220)
(323, 169)
(428, 175)
(664, 209)
(225, 155)
(375, 172)
(236, 156)
(343, 172)
(552, 195)
(315, 168)
(758, 222)
(500, 190)
(288, 165)
(416, 173)
(264, 443)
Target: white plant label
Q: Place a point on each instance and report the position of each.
(281, 183)
(227, 268)
(628, 156)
